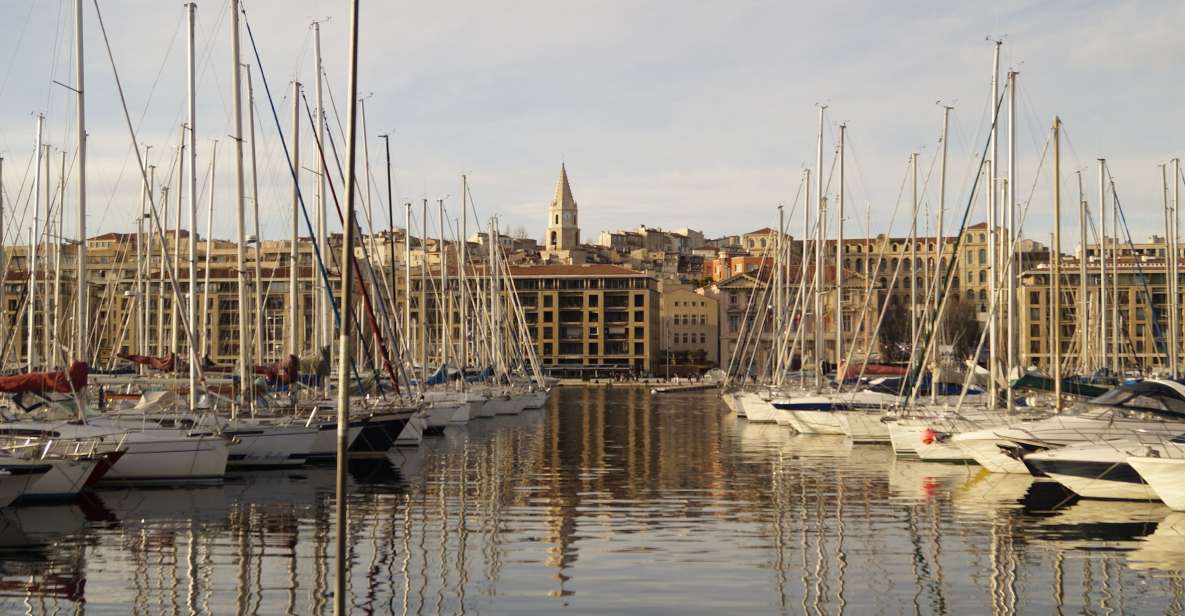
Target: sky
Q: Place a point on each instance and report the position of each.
(666, 113)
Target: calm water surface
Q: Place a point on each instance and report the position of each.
(606, 502)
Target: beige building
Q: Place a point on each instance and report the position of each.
(1138, 309)
(591, 319)
(690, 325)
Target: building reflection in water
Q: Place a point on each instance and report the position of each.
(609, 500)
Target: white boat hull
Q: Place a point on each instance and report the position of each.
(270, 446)
(1166, 477)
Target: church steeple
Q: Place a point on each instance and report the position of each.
(563, 232)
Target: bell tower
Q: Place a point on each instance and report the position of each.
(563, 233)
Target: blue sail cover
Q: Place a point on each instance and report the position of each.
(439, 377)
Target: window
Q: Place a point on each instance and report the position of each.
(547, 299)
(639, 300)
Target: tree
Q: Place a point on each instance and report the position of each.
(960, 328)
(519, 233)
(895, 334)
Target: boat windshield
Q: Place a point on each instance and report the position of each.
(1146, 396)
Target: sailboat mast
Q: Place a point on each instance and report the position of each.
(407, 333)
(913, 256)
(941, 235)
(322, 332)
(176, 265)
(1055, 273)
(1010, 244)
(194, 358)
(31, 320)
(295, 325)
(818, 255)
(444, 294)
(347, 292)
(1102, 260)
(1176, 251)
(806, 231)
(993, 239)
(839, 254)
(257, 284)
(82, 299)
(422, 312)
(1083, 318)
(205, 324)
(464, 248)
(779, 307)
(1170, 264)
(245, 381)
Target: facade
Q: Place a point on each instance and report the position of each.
(1138, 310)
(690, 324)
(591, 319)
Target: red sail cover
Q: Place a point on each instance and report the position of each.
(63, 381)
(283, 372)
(871, 370)
(166, 363)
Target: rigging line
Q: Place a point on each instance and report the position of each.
(1157, 332)
(176, 289)
(300, 195)
(916, 360)
(143, 114)
(16, 49)
(377, 331)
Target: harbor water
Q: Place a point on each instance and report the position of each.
(607, 501)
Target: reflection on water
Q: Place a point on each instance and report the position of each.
(608, 501)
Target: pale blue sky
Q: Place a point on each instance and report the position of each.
(668, 114)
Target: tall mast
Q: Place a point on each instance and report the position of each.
(993, 254)
(343, 370)
(913, 257)
(1176, 274)
(464, 248)
(176, 265)
(1117, 355)
(245, 382)
(1082, 318)
(57, 265)
(82, 300)
(1107, 355)
(839, 255)
(257, 285)
(48, 230)
(194, 358)
(779, 305)
(941, 234)
(407, 334)
(391, 229)
(204, 339)
(1056, 271)
(422, 313)
(1170, 263)
(140, 298)
(1010, 242)
(295, 325)
(819, 254)
(806, 230)
(444, 294)
(322, 331)
(31, 320)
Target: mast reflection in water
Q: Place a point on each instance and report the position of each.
(607, 501)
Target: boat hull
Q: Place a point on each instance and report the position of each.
(1166, 476)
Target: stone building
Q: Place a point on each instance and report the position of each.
(690, 323)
